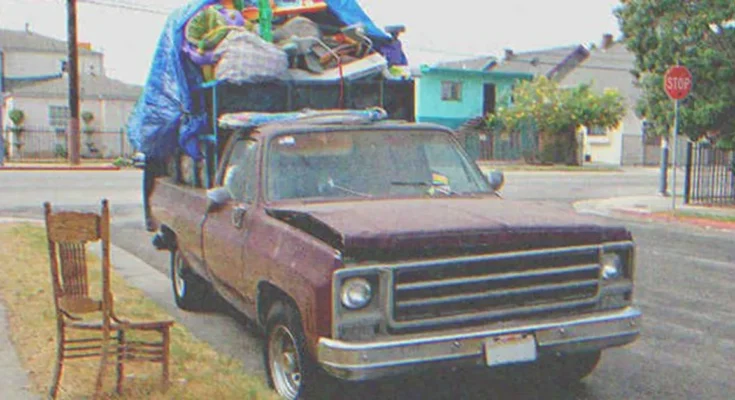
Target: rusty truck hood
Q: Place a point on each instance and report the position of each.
(407, 228)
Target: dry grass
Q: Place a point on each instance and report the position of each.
(699, 215)
(197, 371)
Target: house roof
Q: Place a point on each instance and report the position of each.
(607, 68)
(537, 62)
(474, 64)
(425, 69)
(31, 41)
(91, 87)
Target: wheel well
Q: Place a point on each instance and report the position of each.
(269, 294)
(165, 239)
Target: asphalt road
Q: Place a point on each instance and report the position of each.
(684, 285)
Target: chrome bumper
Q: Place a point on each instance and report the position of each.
(363, 361)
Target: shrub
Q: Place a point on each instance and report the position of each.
(60, 151)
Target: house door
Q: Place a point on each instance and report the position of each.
(488, 102)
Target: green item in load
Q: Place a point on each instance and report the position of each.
(206, 29)
(265, 18)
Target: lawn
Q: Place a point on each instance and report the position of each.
(197, 371)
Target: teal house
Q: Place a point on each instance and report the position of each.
(449, 95)
(454, 93)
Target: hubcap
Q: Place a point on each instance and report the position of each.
(284, 362)
(179, 281)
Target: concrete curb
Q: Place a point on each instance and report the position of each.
(666, 217)
(60, 168)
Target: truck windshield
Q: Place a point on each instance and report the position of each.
(356, 164)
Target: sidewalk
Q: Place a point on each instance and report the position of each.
(13, 378)
(660, 208)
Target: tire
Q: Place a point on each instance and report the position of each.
(191, 292)
(570, 368)
(290, 370)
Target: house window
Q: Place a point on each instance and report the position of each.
(596, 131)
(58, 116)
(451, 91)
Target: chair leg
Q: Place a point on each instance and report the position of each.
(121, 355)
(56, 378)
(101, 373)
(165, 356)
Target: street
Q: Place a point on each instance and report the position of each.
(684, 286)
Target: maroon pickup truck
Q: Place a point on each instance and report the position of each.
(372, 249)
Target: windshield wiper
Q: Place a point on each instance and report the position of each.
(331, 184)
(443, 189)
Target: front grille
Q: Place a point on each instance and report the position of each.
(495, 287)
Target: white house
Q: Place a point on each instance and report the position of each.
(33, 80)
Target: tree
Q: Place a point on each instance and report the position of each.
(557, 114)
(699, 34)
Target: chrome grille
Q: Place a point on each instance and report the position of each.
(495, 287)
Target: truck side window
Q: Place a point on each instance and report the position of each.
(240, 173)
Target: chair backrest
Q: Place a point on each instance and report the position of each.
(68, 234)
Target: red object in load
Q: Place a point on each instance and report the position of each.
(301, 7)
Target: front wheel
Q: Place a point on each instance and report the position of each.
(190, 291)
(291, 372)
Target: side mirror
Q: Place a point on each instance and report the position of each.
(496, 180)
(138, 160)
(217, 197)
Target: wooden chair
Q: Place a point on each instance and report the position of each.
(68, 235)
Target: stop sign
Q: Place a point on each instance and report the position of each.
(678, 82)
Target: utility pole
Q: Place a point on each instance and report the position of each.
(74, 142)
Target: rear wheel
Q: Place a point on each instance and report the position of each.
(190, 291)
(291, 372)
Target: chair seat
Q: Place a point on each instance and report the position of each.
(123, 325)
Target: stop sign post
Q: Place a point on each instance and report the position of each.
(677, 84)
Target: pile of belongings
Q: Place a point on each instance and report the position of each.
(249, 41)
(242, 41)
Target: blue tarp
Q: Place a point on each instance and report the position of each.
(165, 113)
(351, 13)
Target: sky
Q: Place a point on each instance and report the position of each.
(442, 31)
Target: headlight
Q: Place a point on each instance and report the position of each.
(356, 293)
(612, 266)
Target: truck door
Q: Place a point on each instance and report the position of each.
(225, 232)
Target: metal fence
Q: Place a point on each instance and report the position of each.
(710, 175)
(42, 144)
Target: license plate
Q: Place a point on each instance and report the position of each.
(509, 349)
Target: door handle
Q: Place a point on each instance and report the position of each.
(238, 215)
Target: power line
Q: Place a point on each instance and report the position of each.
(126, 6)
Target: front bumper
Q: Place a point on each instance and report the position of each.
(363, 361)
